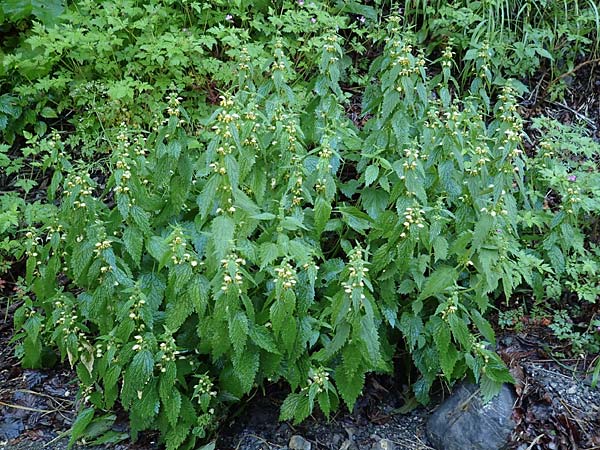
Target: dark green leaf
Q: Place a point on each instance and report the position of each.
(84, 418)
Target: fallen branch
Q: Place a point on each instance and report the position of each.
(571, 72)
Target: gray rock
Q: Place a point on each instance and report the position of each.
(348, 445)
(383, 444)
(336, 439)
(464, 422)
(299, 443)
(251, 442)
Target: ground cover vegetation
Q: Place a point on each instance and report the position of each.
(200, 198)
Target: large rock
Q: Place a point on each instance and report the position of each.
(464, 422)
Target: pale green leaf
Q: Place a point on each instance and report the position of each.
(371, 174)
(223, 228)
(238, 331)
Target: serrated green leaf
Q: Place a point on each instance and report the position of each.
(141, 219)
(322, 214)
(324, 402)
(349, 385)
(178, 311)
(80, 258)
(489, 388)
(110, 379)
(483, 326)
(412, 329)
(448, 360)
(460, 331)
(289, 406)
(282, 313)
(246, 367)
(223, 228)
(482, 230)
(134, 242)
(342, 332)
(206, 199)
(369, 339)
(177, 435)
(138, 372)
(233, 171)
(441, 336)
(371, 174)
(238, 331)
(440, 248)
(158, 249)
(84, 418)
(264, 216)
(167, 380)
(261, 337)
(355, 218)
(352, 359)
(421, 389)
(198, 291)
(441, 279)
(374, 201)
(267, 253)
(172, 405)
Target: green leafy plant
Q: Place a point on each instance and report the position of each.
(200, 255)
(528, 36)
(237, 228)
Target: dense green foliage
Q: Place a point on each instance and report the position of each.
(199, 215)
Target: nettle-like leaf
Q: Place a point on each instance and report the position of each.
(238, 331)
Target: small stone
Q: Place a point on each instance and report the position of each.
(348, 445)
(384, 444)
(572, 390)
(336, 439)
(299, 443)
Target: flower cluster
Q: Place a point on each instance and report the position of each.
(123, 164)
(413, 217)
(508, 114)
(480, 349)
(204, 386)
(451, 307)
(412, 161)
(204, 392)
(547, 151)
(357, 274)
(80, 189)
(286, 276)
(174, 101)
(297, 180)
(401, 54)
(232, 275)
(319, 378)
(101, 245)
(180, 252)
(137, 303)
(139, 343)
(332, 46)
(280, 62)
(225, 117)
(494, 211)
(572, 199)
(447, 56)
(325, 154)
(168, 352)
(484, 57)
